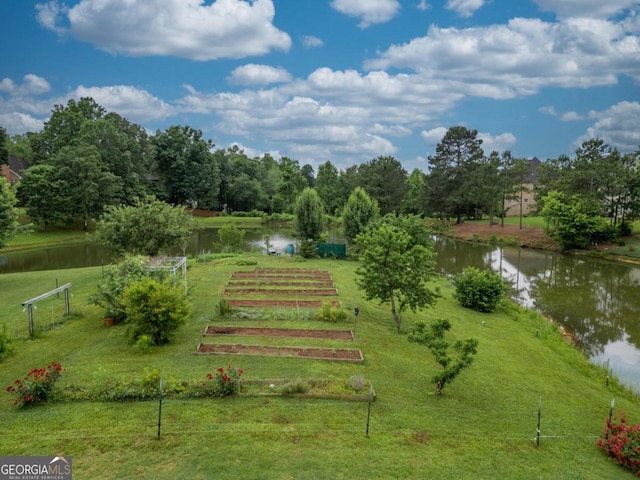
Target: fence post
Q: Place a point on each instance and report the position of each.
(538, 429)
(369, 410)
(159, 407)
(606, 435)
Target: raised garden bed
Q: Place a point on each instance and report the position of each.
(282, 276)
(337, 354)
(281, 303)
(321, 389)
(212, 330)
(279, 283)
(326, 292)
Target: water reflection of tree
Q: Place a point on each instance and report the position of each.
(594, 300)
(454, 255)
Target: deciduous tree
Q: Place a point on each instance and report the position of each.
(8, 213)
(148, 227)
(452, 358)
(397, 261)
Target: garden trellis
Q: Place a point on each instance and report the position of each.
(30, 303)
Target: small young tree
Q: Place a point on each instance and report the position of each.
(155, 309)
(230, 238)
(479, 290)
(309, 220)
(359, 211)
(452, 359)
(397, 261)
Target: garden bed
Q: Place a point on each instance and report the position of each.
(291, 276)
(337, 354)
(278, 283)
(281, 303)
(321, 389)
(212, 330)
(326, 292)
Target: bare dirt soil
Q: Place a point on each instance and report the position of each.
(281, 276)
(212, 330)
(276, 283)
(532, 237)
(327, 292)
(338, 354)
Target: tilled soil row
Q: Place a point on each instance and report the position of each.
(338, 354)
(278, 283)
(327, 292)
(212, 330)
(281, 276)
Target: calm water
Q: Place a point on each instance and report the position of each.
(598, 301)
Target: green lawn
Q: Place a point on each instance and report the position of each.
(483, 426)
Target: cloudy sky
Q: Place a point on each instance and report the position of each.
(339, 80)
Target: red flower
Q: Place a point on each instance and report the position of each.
(221, 369)
(209, 376)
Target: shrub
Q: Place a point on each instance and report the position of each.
(294, 387)
(478, 289)
(231, 238)
(223, 383)
(36, 386)
(5, 342)
(224, 308)
(357, 382)
(625, 229)
(622, 442)
(156, 309)
(328, 313)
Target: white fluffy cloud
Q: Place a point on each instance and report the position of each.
(370, 12)
(521, 57)
(130, 102)
(619, 126)
(192, 29)
(253, 74)
(586, 8)
(309, 41)
(464, 8)
(497, 143)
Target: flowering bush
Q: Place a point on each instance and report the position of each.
(622, 442)
(36, 386)
(222, 383)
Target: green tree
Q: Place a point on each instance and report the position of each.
(292, 183)
(308, 222)
(573, 222)
(451, 175)
(4, 146)
(64, 127)
(155, 309)
(359, 211)
(187, 168)
(148, 227)
(309, 175)
(453, 359)
(230, 238)
(8, 213)
(385, 180)
(414, 199)
(397, 260)
(478, 289)
(329, 188)
(43, 195)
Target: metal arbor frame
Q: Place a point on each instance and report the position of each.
(29, 303)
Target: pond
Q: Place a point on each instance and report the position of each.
(597, 300)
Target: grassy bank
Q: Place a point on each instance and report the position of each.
(482, 427)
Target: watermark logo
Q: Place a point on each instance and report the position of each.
(35, 468)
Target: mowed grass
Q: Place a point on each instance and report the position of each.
(483, 426)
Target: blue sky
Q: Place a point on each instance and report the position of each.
(339, 80)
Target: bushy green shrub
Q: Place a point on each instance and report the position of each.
(222, 383)
(329, 313)
(478, 289)
(230, 238)
(293, 387)
(223, 307)
(5, 342)
(156, 309)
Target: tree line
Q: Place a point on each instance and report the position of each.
(85, 159)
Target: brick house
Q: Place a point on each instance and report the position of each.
(13, 171)
(525, 197)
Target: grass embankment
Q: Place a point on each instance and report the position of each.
(483, 426)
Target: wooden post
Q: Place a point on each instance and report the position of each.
(538, 429)
(369, 411)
